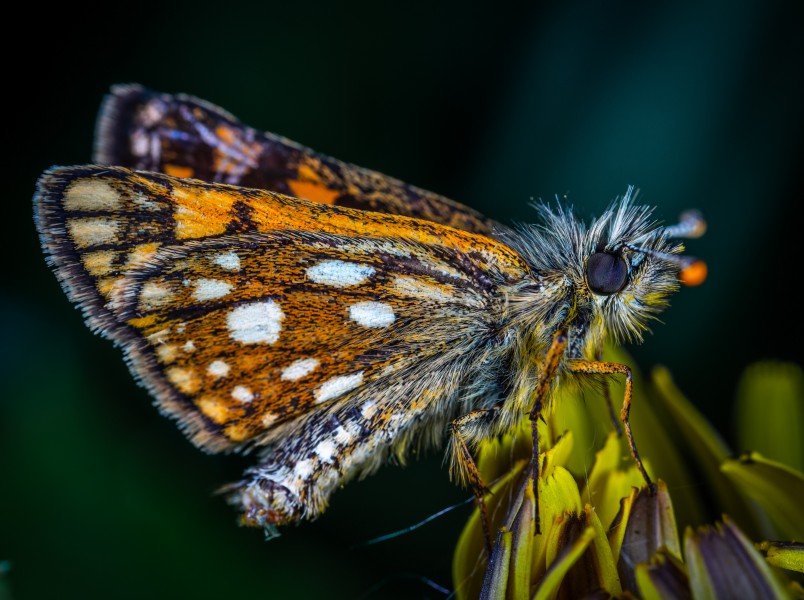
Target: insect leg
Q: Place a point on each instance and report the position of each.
(607, 395)
(607, 368)
(463, 464)
(546, 374)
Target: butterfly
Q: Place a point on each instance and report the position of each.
(324, 316)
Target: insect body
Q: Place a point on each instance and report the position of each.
(328, 333)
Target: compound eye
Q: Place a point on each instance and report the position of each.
(606, 273)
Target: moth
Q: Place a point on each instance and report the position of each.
(324, 316)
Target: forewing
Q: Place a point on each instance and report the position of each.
(186, 137)
(240, 309)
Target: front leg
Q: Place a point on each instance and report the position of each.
(466, 430)
(607, 368)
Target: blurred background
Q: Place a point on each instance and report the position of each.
(697, 105)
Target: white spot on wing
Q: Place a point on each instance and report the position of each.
(228, 260)
(92, 231)
(218, 368)
(256, 323)
(338, 273)
(268, 419)
(211, 289)
(369, 408)
(154, 295)
(242, 394)
(372, 314)
(303, 469)
(299, 369)
(337, 386)
(189, 346)
(325, 450)
(343, 436)
(91, 195)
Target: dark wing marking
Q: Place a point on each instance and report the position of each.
(186, 137)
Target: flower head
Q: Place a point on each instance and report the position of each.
(602, 533)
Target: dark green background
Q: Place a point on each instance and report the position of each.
(700, 106)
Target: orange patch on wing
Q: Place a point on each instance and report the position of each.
(202, 212)
(214, 409)
(225, 134)
(143, 322)
(179, 171)
(307, 173)
(105, 285)
(142, 253)
(313, 191)
(237, 433)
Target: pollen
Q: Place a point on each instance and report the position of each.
(337, 386)
(372, 314)
(256, 323)
(242, 394)
(218, 368)
(211, 289)
(299, 369)
(91, 195)
(340, 274)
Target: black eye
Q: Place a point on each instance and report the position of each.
(606, 273)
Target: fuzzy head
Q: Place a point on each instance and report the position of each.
(606, 279)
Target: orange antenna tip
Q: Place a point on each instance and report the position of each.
(694, 273)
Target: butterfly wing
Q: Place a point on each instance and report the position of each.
(183, 136)
(243, 310)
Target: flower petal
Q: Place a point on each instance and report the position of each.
(469, 560)
(776, 487)
(523, 529)
(595, 569)
(563, 562)
(495, 583)
(708, 449)
(664, 577)
(770, 411)
(723, 563)
(785, 555)
(644, 525)
(609, 481)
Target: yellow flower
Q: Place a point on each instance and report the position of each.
(604, 534)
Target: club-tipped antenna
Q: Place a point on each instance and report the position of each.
(690, 225)
(691, 271)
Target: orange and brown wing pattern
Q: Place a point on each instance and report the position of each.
(243, 309)
(186, 137)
